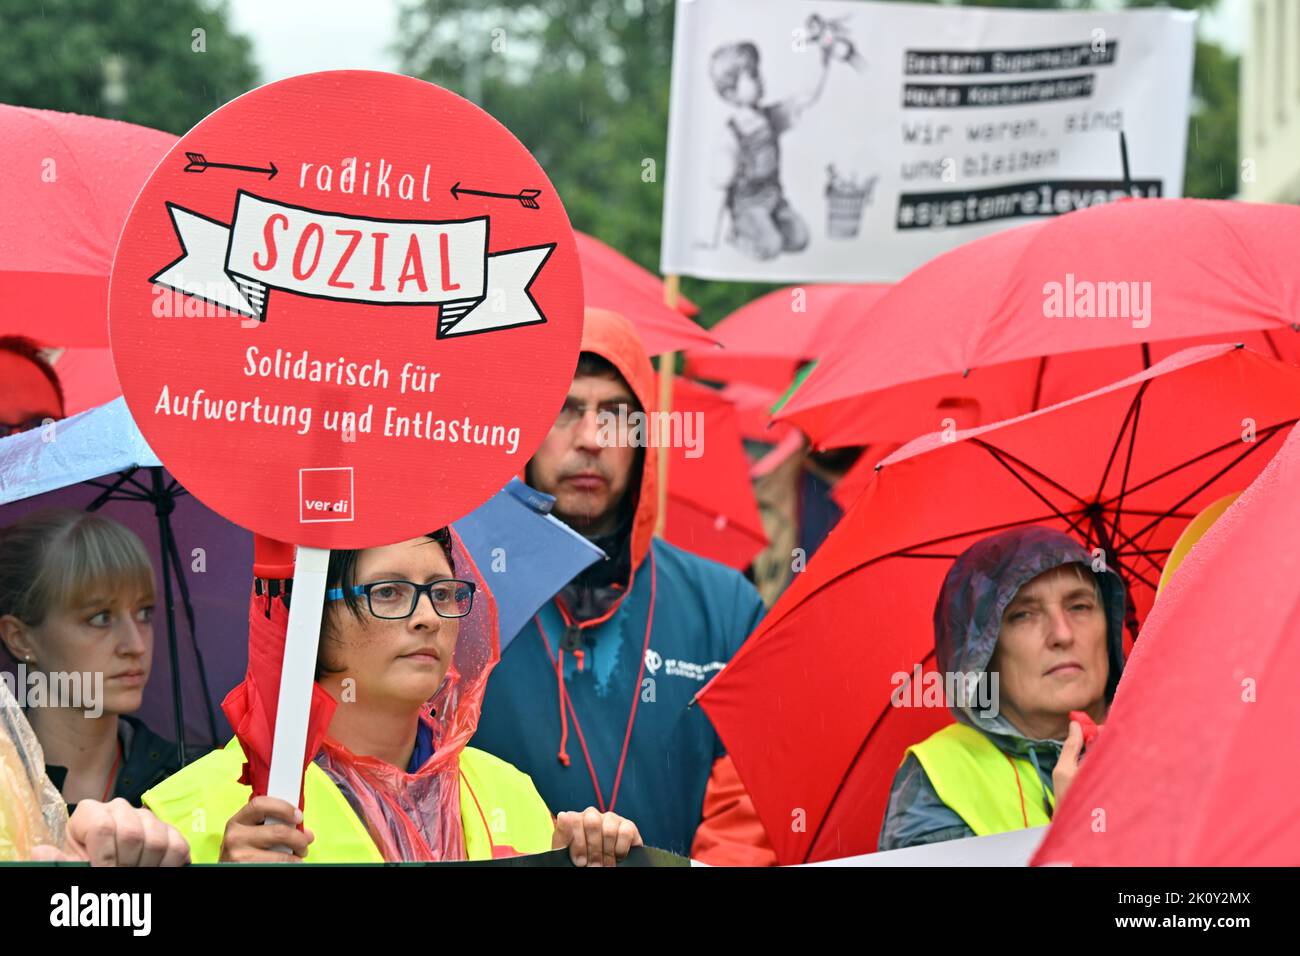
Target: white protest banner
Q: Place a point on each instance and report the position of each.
(835, 141)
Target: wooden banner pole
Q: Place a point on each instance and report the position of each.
(667, 371)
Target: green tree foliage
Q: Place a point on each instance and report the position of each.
(584, 84)
(1212, 134)
(134, 60)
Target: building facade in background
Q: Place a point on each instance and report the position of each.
(1270, 103)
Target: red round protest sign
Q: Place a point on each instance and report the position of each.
(346, 308)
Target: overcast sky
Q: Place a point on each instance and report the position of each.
(300, 36)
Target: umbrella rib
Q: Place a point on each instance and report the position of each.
(1038, 383)
(997, 456)
(115, 495)
(1151, 526)
(1128, 466)
(1148, 513)
(1128, 568)
(1267, 433)
(993, 449)
(1255, 446)
(1137, 552)
(990, 529)
(1129, 416)
(187, 605)
(1118, 533)
(1145, 551)
(109, 489)
(1268, 337)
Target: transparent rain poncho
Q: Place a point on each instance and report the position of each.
(32, 811)
(417, 816)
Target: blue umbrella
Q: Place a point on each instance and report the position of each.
(525, 553)
(95, 443)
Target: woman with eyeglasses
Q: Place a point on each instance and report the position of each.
(408, 638)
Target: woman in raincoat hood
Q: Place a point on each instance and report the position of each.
(994, 775)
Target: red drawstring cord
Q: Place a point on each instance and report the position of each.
(1023, 815)
(112, 773)
(563, 755)
(564, 698)
(492, 844)
(636, 689)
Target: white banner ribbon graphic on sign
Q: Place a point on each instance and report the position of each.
(306, 252)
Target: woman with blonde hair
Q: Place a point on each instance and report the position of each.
(76, 605)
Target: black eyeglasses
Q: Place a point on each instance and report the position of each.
(394, 600)
(572, 411)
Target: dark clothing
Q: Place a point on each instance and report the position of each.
(147, 760)
(818, 512)
(423, 747)
(598, 588)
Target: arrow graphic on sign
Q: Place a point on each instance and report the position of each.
(525, 197)
(198, 163)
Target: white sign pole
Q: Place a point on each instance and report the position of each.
(298, 674)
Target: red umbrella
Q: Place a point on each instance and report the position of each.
(711, 506)
(857, 478)
(765, 341)
(1205, 707)
(612, 281)
(754, 406)
(89, 378)
(251, 707)
(68, 183)
(1180, 272)
(804, 707)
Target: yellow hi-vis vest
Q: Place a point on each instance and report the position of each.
(979, 782)
(501, 811)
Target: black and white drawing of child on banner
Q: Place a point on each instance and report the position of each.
(754, 215)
